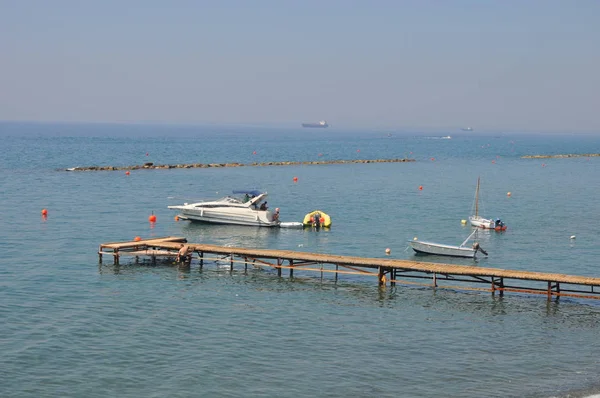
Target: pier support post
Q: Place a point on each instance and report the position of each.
(116, 256)
(291, 268)
(279, 261)
(337, 267)
(231, 263)
(393, 277)
(245, 264)
(201, 259)
(100, 255)
(435, 280)
(501, 287)
(549, 290)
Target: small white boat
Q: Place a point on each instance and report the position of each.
(250, 210)
(462, 250)
(477, 221)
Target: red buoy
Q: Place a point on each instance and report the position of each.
(152, 218)
(137, 239)
(295, 179)
(420, 187)
(44, 212)
(127, 173)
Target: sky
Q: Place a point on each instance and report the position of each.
(509, 65)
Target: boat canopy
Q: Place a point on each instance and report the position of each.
(248, 191)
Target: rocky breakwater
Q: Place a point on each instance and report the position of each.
(570, 155)
(149, 165)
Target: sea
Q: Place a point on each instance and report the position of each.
(73, 327)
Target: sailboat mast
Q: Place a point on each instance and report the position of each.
(477, 199)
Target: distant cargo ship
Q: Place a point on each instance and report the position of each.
(322, 124)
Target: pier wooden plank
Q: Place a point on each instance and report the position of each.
(173, 243)
(549, 284)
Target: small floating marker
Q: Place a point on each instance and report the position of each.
(432, 159)
(152, 218)
(415, 238)
(358, 150)
(146, 153)
(543, 164)
(493, 162)
(254, 153)
(44, 212)
(463, 222)
(176, 218)
(127, 173)
(420, 187)
(137, 239)
(388, 251)
(295, 179)
(572, 237)
(322, 155)
(508, 194)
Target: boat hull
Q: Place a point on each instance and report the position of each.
(441, 250)
(255, 218)
(484, 223)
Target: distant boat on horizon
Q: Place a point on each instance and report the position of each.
(467, 129)
(321, 124)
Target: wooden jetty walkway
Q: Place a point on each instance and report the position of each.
(385, 270)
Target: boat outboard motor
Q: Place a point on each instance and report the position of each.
(477, 248)
(317, 220)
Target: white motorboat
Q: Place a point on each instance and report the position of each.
(251, 209)
(477, 221)
(462, 250)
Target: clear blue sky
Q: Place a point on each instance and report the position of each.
(495, 65)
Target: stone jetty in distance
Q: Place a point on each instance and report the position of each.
(150, 165)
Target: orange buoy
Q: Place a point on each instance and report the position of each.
(44, 212)
(152, 218)
(508, 194)
(322, 220)
(137, 239)
(432, 159)
(420, 187)
(295, 179)
(127, 173)
(176, 218)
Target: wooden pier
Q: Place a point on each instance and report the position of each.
(405, 272)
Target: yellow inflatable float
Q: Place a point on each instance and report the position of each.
(317, 219)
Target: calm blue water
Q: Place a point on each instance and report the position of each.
(72, 327)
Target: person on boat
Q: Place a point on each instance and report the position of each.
(264, 206)
(317, 220)
(246, 198)
(499, 223)
(276, 214)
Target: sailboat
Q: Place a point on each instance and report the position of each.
(462, 250)
(477, 221)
